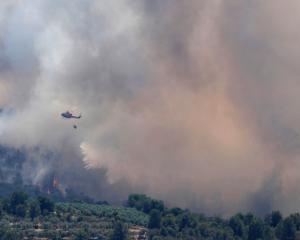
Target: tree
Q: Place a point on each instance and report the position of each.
(120, 232)
(248, 218)
(269, 233)
(288, 229)
(274, 218)
(46, 205)
(237, 226)
(256, 230)
(186, 220)
(224, 234)
(296, 220)
(169, 221)
(143, 203)
(34, 210)
(137, 201)
(155, 219)
(21, 210)
(147, 206)
(176, 211)
(6, 205)
(156, 204)
(16, 199)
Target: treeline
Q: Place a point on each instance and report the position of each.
(23, 216)
(20, 205)
(176, 223)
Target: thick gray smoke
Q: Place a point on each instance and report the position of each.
(193, 102)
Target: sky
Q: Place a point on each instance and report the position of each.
(193, 102)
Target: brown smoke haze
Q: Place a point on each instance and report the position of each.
(192, 102)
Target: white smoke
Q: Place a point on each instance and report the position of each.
(192, 102)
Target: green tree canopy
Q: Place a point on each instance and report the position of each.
(16, 199)
(155, 219)
(34, 209)
(256, 230)
(46, 205)
(237, 225)
(288, 229)
(119, 232)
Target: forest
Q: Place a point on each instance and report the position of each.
(39, 217)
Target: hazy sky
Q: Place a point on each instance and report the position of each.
(193, 102)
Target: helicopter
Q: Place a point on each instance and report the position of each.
(69, 115)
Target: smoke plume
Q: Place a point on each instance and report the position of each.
(192, 102)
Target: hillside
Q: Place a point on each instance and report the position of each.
(142, 218)
(23, 218)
